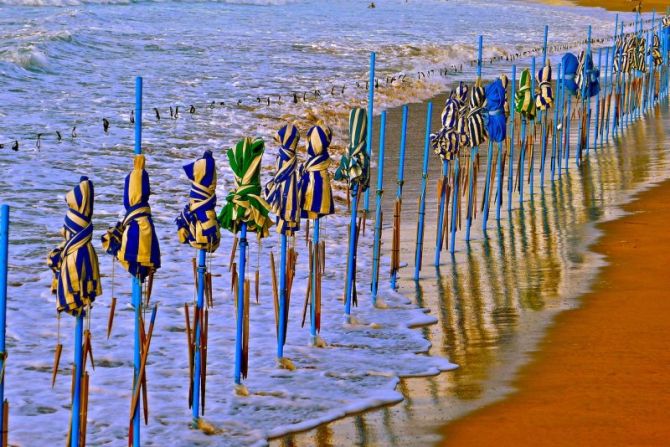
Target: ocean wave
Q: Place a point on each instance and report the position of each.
(30, 58)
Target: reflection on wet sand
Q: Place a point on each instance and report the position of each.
(496, 296)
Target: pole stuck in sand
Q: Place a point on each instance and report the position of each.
(4, 248)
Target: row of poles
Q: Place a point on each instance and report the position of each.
(632, 99)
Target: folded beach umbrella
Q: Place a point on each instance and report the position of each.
(544, 97)
(355, 169)
(495, 106)
(445, 142)
(245, 210)
(505, 82)
(76, 285)
(570, 66)
(629, 54)
(315, 189)
(461, 97)
(74, 262)
(283, 196)
(281, 192)
(355, 163)
(475, 117)
(524, 101)
(133, 240)
(666, 21)
(641, 55)
(588, 76)
(245, 204)
(656, 50)
(619, 55)
(197, 224)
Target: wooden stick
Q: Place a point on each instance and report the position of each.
(203, 351)
(231, 263)
(275, 292)
(245, 336)
(143, 364)
(84, 410)
(5, 424)
(195, 272)
(150, 285)
(257, 285)
(309, 286)
(59, 350)
(88, 349)
(189, 336)
(145, 397)
(110, 320)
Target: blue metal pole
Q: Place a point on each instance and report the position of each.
(510, 175)
(614, 39)
(371, 102)
(544, 116)
(580, 148)
(597, 121)
(282, 295)
(422, 200)
(312, 318)
(566, 141)
(588, 100)
(473, 154)
(606, 100)
(4, 244)
(197, 367)
(401, 172)
(499, 181)
(348, 287)
(557, 106)
(531, 168)
(487, 186)
(544, 48)
(378, 210)
(561, 121)
(522, 157)
(617, 117)
(76, 398)
(441, 210)
(240, 303)
(136, 284)
(454, 208)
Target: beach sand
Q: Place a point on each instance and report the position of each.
(600, 376)
(625, 5)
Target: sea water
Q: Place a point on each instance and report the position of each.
(64, 66)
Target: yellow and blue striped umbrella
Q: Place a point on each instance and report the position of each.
(445, 142)
(74, 262)
(355, 164)
(197, 224)
(133, 240)
(544, 97)
(475, 118)
(281, 192)
(314, 187)
(244, 204)
(656, 50)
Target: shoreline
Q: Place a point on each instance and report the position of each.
(597, 369)
(623, 5)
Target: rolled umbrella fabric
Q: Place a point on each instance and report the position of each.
(133, 240)
(619, 55)
(445, 142)
(475, 118)
(76, 281)
(495, 105)
(641, 55)
(281, 192)
(244, 204)
(588, 76)
(544, 97)
(197, 224)
(355, 164)
(505, 83)
(314, 188)
(570, 66)
(461, 97)
(629, 54)
(666, 21)
(656, 50)
(524, 100)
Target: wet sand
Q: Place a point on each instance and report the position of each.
(625, 5)
(600, 376)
